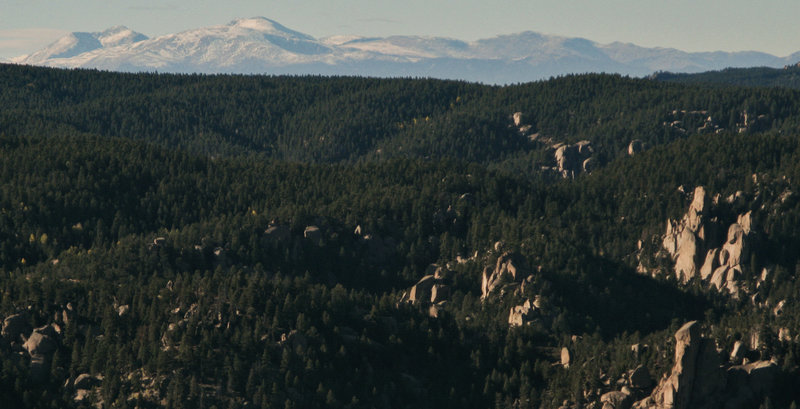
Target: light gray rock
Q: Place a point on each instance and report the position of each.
(421, 291)
(749, 382)
(675, 390)
(746, 221)
(737, 352)
(14, 326)
(521, 314)
(640, 378)
(312, 233)
(439, 293)
(778, 310)
(84, 381)
(277, 233)
(784, 335)
(589, 165)
(636, 146)
(685, 239)
(566, 358)
(616, 400)
(509, 268)
(517, 118)
(710, 264)
(735, 245)
(698, 380)
(123, 310)
(719, 276)
(572, 159)
(40, 344)
(686, 256)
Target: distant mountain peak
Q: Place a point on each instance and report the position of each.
(268, 26)
(259, 45)
(78, 43)
(119, 35)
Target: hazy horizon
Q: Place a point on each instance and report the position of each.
(687, 26)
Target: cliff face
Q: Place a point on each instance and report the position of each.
(702, 245)
(699, 379)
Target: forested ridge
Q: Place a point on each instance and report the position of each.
(250, 241)
(788, 76)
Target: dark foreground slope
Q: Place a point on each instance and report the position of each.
(177, 263)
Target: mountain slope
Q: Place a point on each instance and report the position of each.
(187, 241)
(261, 45)
(75, 44)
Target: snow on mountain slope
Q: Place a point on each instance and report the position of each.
(261, 45)
(75, 44)
(410, 46)
(119, 35)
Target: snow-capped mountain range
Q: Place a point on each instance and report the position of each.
(263, 46)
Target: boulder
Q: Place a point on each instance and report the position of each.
(81, 395)
(710, 264)
(685, 239)
(738, 198)
(685, 256)
(746, 221)
(787, 199)
(724, 256)
(697, 209)
(735, 245)
(428, 290)
(636, 349)
(293, 339)
(39, 368)
(434, 310)
(748, 383)
(698, 379)
(277, 233)
(589, 165)
(85, 381)
(675, 390)
(636, 146)
(123, 310)
(616, 400)
(312, 233)
(565, 357)
(737, 352)
(755, 340)
(566, 158)
(518, 118)
(509, 267)
(784, 335)
(39, 344)
(709, 380)
(439, 293)
(732, 280)
(763, 277)
(585, 148)
(572, 159)
(14, 326)
(778, 310)
(719, 276)
(522, 314)
(670, 240)
(640, 378)
(421, 291)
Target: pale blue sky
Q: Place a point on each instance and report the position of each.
(699, 25)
